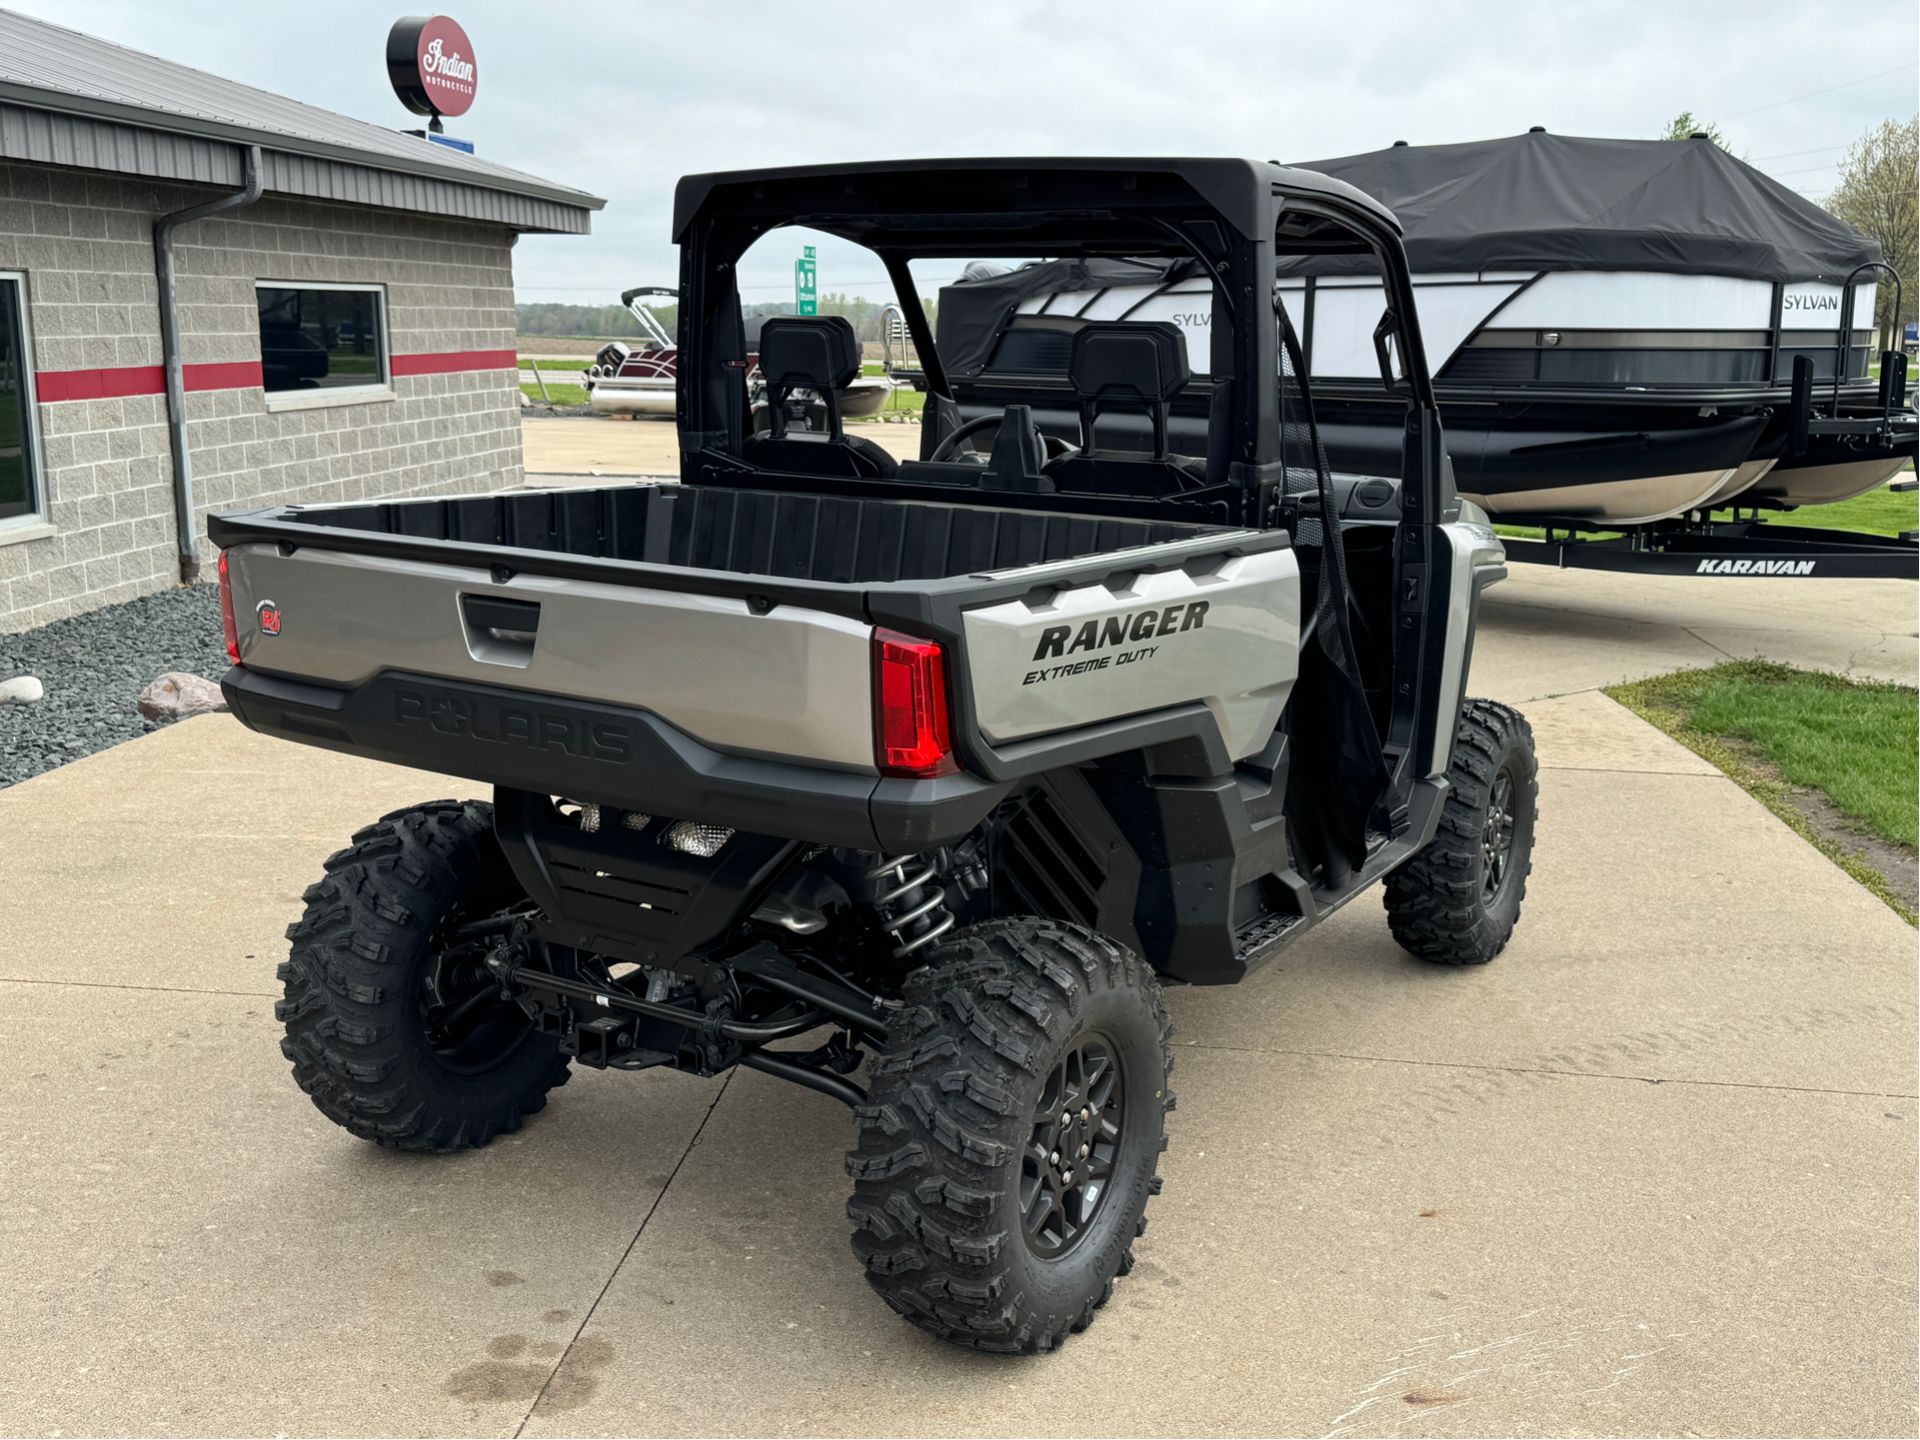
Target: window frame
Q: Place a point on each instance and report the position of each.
(327, 395)
(33, 523)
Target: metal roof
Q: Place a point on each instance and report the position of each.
(75, 99)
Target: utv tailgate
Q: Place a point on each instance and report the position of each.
(702, 652)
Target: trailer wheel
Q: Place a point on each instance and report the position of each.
(1457, 901)
(398, 1034)
(1013, 1131)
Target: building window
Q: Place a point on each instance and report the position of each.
(19, 492)
(323, 339)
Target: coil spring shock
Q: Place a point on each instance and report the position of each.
(909, 901)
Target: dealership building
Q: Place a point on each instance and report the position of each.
(214, 297)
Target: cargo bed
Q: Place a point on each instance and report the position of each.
(829, 539)
(711, 651)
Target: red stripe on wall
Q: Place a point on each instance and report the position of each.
(54, 385)
(110, 384)
(51, 385)
(233, 375)
(446, 364)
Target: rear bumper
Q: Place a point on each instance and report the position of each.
(607, 754)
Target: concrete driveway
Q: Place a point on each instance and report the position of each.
(563, 451)
(1652, 1171)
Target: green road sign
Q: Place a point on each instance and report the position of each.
(806, 286)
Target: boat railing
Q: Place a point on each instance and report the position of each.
(1891, 387)
(896, 343)
(636, 303)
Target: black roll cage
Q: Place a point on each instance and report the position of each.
(1233, 216)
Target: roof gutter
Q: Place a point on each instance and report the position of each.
(185, 534)
(433, 164)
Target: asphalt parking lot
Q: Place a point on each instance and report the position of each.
(1650, 1172)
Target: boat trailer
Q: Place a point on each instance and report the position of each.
(1744, 543)
(1743, 546)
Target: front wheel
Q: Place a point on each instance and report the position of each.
(1008, 1148)
(1457, 901)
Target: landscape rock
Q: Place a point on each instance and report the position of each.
(93, 664)
(176, 695)
(25, 690)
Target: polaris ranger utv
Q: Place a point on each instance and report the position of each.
(946, 765)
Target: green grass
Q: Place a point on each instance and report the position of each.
(1878, 512)
(1775, 729)
(557, 367)
(556, 393)
(905, 400)
(1535, 532)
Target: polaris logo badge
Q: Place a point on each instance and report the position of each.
(524, 727)
(1756, 567)
(1057, 641)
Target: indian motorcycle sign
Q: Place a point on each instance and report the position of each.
(430, 62)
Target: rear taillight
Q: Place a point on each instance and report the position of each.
(226, 611)
(910, 734)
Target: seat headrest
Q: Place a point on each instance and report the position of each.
(1144, 361)
(818, 352)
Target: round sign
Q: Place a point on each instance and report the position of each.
(430, 62)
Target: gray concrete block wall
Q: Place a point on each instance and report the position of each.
(84, 242)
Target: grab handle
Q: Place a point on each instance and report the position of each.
(500, 631)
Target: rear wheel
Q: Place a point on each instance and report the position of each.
(1457, 901)
(1009, 1145)
(394, 1026)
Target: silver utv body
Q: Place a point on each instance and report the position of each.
(1214, 624)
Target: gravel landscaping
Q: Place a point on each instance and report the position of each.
(94, 667)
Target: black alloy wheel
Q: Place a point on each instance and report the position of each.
(1077, 1134)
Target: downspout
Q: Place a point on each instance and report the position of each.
(188, 541)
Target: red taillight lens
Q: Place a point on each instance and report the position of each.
(226, 611)
(910, 735)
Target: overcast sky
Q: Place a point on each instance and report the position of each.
(622, 98)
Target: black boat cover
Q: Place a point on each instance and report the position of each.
(1561, 202)
(975, 309)
(1527, 202)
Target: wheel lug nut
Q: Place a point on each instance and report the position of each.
(1054, 1158)
(1083, 1152)
(1066, 1119)
(1068, 1177)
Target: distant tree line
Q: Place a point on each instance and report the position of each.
(546, 318)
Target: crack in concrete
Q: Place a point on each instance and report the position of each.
(1547, 1070)
(119, 985)
(1708, 643)
(1623, 770)
(625, 1255)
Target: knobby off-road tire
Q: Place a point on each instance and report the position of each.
(369, 973)
(1457, 901)
(955, 1156)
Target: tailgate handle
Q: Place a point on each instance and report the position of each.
(500, 631)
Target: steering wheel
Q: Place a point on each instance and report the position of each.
(1050, 447)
